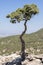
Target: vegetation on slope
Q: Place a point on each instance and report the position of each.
(11, 44)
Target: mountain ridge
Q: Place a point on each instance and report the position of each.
(12, 44)
(19, 34)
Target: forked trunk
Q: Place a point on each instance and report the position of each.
(23, 42)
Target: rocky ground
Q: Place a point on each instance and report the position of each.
(13, 59)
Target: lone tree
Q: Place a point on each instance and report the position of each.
(23, 14)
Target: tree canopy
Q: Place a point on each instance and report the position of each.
(24, 13)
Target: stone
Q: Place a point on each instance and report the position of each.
(15, 59)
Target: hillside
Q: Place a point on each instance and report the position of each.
(34, 43)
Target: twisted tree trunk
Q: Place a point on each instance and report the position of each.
(23, 42)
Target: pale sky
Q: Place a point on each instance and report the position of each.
(8, 6)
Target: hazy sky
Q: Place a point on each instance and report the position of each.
(7, 6)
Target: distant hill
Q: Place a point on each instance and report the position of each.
(34, 43)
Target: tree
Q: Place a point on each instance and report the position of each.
(25, 13)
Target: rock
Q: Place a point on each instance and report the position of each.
(4, 50)
(18, 52)
(15, 59)
(9, 58)
(25, 62)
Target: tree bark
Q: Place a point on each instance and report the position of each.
(23, 42)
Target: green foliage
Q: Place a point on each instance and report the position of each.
(24, 13)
